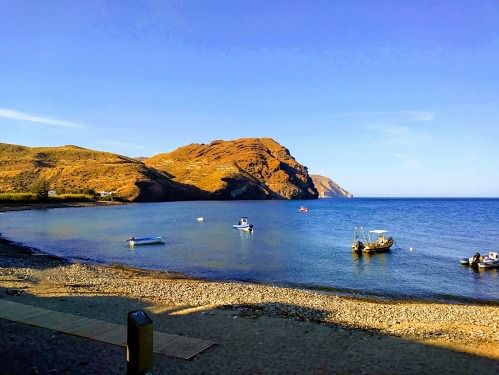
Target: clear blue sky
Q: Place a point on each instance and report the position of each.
(389, 98)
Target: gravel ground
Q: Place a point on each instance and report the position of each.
(259, 328)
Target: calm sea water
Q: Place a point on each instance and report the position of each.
(287, 247)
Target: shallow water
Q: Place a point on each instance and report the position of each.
(287, 247)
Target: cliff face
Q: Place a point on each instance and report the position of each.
(327, 188)
(74, 168)
(247, 168)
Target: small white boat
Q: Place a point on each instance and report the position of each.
(133, 241)
(243, 225)
(200, 219)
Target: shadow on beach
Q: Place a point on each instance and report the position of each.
(248, 342)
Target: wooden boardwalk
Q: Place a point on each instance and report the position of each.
(163, 343)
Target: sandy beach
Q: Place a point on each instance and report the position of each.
(258, 328)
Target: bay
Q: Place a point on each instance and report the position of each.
(287, 247)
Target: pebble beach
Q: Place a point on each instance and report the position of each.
(47, 281)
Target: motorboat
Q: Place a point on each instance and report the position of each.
(303, 209)
(243, 225)
(200, 219)
(472, 261)
(373, 241)
(491, 260)
(134, 241)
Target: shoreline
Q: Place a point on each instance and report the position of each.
(353, 294)
(49, 205)
(471, 328)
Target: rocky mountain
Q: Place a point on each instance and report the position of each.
(72, 169)
(327, 188)
(246, 168)
(241, 169)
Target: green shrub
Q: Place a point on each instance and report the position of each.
(18, 198)
(71, 198)
(26, 198)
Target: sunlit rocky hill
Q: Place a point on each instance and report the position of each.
(327, 188)
(247, 168)
(251, 168)
(73, 169)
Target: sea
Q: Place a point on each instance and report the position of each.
(287, 247)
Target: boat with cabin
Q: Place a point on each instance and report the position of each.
(373, 241)
(243, 225)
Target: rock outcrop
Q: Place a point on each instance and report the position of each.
(247, 168)
(327, 188)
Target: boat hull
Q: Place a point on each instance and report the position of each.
(243, 227)
(146, 241)
(372, 248)
(489, 264)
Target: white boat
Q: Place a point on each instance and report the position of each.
(491, 260)
(303, 209)
(243, 225)
(200, 219)
(133, 241)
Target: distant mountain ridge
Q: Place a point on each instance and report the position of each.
(327, 188)
(248, 168)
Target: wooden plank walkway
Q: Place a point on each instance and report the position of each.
(163, 343)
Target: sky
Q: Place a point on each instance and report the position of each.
(387, 98)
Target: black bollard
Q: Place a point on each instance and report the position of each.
(139, 356)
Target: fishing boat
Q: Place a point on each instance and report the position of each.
(134, 241)
(374, 241)
(303, 209)
(243, 225)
